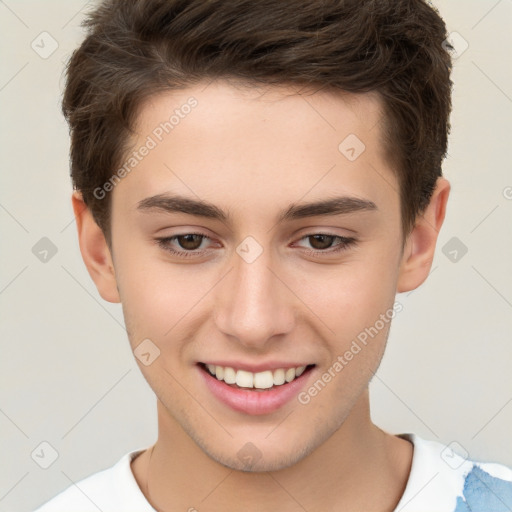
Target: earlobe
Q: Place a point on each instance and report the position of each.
(421, 242)
(95, 251)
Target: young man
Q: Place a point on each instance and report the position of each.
(255, 182)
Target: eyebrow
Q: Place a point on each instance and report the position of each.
(179, 204)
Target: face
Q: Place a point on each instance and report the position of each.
(220, 263)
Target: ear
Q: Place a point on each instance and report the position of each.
(95, 250)
(421, 242)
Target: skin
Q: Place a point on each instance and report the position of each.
(253, 153)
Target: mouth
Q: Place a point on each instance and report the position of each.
(254, 393)
(255, 381)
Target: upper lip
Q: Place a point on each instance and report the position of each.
(255, 368)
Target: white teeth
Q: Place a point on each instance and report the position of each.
(260, 380)
(229, 375)
(263, 380)
(299, 371)
(290, 374)
(279, 377)
(244, 379)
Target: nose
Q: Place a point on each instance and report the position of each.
(254, 304)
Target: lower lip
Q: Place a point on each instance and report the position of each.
(254, 402)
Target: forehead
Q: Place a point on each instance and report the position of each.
(242, 146)
(266, 109)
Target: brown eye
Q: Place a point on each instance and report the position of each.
(321, 242)
(325, 244)
(189, 241)
(186, 245)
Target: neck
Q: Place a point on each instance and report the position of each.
(360, 467)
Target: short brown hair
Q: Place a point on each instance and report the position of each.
(136, 48)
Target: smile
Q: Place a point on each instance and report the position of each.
(254, 393)
(261, 380)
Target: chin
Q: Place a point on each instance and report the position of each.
(255, 458)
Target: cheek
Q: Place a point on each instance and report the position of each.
(151, 301)
(351, 296)
(161, 301)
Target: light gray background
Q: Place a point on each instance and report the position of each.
(67, 374)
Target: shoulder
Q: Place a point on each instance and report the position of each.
(444, 478)
(111, 489)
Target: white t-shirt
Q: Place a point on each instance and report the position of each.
(440, 481)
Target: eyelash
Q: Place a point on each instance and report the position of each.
(345, 243)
